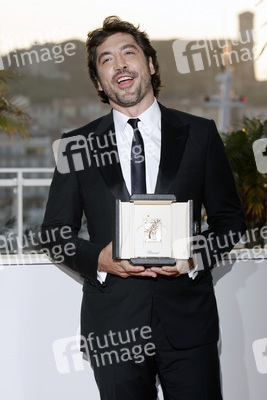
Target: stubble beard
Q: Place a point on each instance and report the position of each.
(125, 99)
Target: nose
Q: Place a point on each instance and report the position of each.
(120, 62)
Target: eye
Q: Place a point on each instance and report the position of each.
(105, 60)
(129, 52)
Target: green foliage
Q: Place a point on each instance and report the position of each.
(251, 185)
(13, 118)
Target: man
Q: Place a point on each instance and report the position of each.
(172, 308)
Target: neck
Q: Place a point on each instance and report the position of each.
(135, 110)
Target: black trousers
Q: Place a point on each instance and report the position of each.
(187, 374)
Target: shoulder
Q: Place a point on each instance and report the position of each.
(86, 129)
(186, 118)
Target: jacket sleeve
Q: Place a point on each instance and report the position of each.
(62, 222)
(225, 218)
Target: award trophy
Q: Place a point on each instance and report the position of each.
(153, 230)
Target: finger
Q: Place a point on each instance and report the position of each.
(130, 268)
(173, 274)
(156, 269)
(146, 272)
(169, 268)
(162, 271)
(136, 270)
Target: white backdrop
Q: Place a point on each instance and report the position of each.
(40, 304)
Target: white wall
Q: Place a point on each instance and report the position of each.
(40, 304)
(242, 299)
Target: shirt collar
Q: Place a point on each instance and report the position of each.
(148, 118)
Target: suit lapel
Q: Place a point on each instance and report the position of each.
(108, 158)
(173, 140)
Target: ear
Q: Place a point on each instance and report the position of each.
(99, 85)
(151, 66)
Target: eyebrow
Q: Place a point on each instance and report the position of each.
(125, 46)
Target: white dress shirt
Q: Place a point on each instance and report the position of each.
(150, 128)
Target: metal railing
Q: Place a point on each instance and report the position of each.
(19, 182)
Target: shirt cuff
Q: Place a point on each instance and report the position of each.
(101, 276)
(193, 272)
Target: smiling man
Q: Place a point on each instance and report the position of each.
(170, 311)
(129, 86)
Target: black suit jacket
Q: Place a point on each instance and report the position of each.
(193, 165)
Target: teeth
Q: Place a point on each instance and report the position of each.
(125, 78)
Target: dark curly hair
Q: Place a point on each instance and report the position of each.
(112, 25)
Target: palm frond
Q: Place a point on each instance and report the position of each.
(13, 118)
(7, 75)
(251, 185)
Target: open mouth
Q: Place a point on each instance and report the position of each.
(122, 80)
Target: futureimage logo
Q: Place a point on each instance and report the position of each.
(56, 53)
(198, 55)
(102, 350)
(77, 153)
(68, 356)
(260, 154)
(260, 354)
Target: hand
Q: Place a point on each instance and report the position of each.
(181, 267)
(121, 268)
